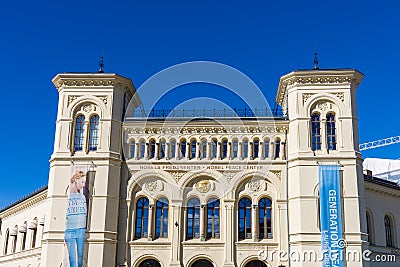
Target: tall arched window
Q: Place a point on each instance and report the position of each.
(79, 133)
(331, 131)
(132, 149)
(142, 149)
(204, 148)
(173, 148)
(277, 148)
(152, 147)
(142, 217)
(94, 133)
(244, 217)
(183, 148)
(265, 218)
(6, 240)
(193, 149)
(214, 148)
(235, 148)
(245, 148)
(213, 218)
(193, 219)
(266, 148)
(224, 151)
(388, 231)
(369, 227)
(161, 218)
(256, 148)
(315, 132)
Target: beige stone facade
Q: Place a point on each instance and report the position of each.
(253, 181)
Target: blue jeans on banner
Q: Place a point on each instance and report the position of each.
(75, 240)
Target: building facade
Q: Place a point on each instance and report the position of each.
(200, 191)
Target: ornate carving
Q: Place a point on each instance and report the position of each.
(203, 186)
(278, 173)
(177, 174)
(324, 106)
(229, 175)
(71, 99)
(306, 96)
(340, 96)
(255, 185)
(86, 83)
(88, 108)
(151, 186)
(104, 99)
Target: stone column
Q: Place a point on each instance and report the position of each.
(147, 151)
(202, 222)
(239, 150)
(271, 150)
(229, 150)
(254, 220)
(128, 233)
(324, 138)
(187, 151)
(198, 156)
(176, 228)
(229, 233)
(166, 152)
(209, 144)
(177, 150)
(218, 150)
(150, 223)
(261, 150)
(251, 150)
(86, 136)
(137, 151)
(157, 152)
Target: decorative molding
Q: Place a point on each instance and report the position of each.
(255, 185)
(104, 99)
(229, 175)
(27, 204)
(87, 108)
(278, 173)
(306, 96)
(203, 186)
(324, 106)
(177, 174)
(339, 95)
(71, 98)
(85, 82)
(151, 186)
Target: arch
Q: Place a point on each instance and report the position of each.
(152, 148)
(79, 133)
(316, 131)
(213, 218)
(224, 148)
(389, 230)
(94, 129)
(161, 224)
(145, 257)
(85, 100)
(193, 148)
(323, 97)
(265, 218)
(203, 148)
(146, 174)
(200, 257)
(235, 148)
(244, 218)
(172, 151)
(132, 148)
(370, 226)
(254, 263)
(162, 149)
(202, 263)
(193, 218)
(331, 131)
(269, 177)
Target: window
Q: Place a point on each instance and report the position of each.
(152, 153)
(214, 148)
(79, 133)
(132, 149)
(173, 148)
(6, 239)
(183, 148)
(315, 132)
(224, 148)
(14, 239)
(266, 148)
(213, 218)
(277, 148)
(150, 263)
(204, 149)
(23, 245)
(142, 149)
(235, 148)
(331, 131)
(193, 219)
(244, 218)
(161, 218)
(34, 235)
(162, 149)
(265, 222)
(94, 133)
(193, 149)
(245, 148)
(388, 231)
(369, 227)
(142, 217)
(256, 148)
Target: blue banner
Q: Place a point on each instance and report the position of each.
(331, 217)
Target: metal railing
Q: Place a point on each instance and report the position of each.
(209, 113)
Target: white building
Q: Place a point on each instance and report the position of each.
(215, 191)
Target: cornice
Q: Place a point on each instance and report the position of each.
(26, 204)
(381, 189)
(316, 77)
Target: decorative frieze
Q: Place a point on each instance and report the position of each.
(278, 173)
(306, 96)
(177, 174)
(71, 98)
(340, 96)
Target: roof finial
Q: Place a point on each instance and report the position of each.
(101, 63)
(315, 60)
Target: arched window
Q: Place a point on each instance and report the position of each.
(255, 263)
(162, 149)
(152, 148)
(193, 149)
(79, 133)
(213, 218)
(277, 148)
(132, 149)
(183, 148)
(265, 218)
(149, 263)
(193, 219)
(244, 218)
(161, 218)
(142, 149)
(6, 239)
(202, 263)
(173, 148)
(235, 148)
(331, 131)
(256, 148)
(245, 148)
(369, 227)
(214, 148)
(224, 149)
(94, 133)
(204, 148)
(315, 132)
(388, 231)
(266, 148)
(142, 217)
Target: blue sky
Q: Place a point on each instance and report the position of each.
(263, 39)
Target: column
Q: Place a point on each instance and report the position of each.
(187, 151)
(157, 153)
(177, 150)
(166, 150)
(150, 223)
(254, 224)
(137, 151)
(146, 152)
(271, 150)
(261, 150)
(324, 141)
(202, 222)
(208, 150)
(128, 233)
(229, 233)
(251, 150)
(283, 150)
(175, 228)
(239, 150)
(229, 150)
(86, 137)
(198, 156)
(218, 150)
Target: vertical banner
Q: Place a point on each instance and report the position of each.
(76, 216)
(331, 216)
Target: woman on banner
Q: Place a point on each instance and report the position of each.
(75, 225)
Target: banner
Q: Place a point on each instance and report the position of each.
(331, 217)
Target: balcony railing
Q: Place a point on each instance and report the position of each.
(209, 113)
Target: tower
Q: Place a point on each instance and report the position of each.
(323, 122)
(91, 109)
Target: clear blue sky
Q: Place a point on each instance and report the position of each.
(263, 39)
